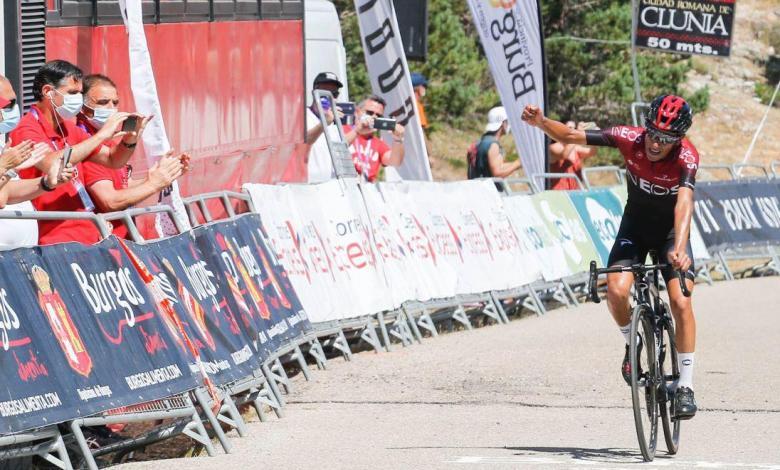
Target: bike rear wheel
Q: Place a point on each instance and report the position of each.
(670, 372)
(645, 380)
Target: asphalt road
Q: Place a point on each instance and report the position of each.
(541, 392)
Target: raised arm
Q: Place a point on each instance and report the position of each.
(559, 131)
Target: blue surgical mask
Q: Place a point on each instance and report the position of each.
(71, 105)
(100, 116)
(10, 119)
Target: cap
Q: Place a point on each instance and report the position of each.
(496, 117)
(419, 79)
(327, 77)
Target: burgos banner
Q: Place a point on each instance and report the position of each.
(511, 36)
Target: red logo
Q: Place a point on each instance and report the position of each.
(61, 323)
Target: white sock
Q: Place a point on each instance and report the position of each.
(626, 332)
(685, 363)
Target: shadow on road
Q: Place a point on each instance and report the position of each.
(603, 455)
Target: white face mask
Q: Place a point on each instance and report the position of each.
(71, 105)
(10, 119)
(100, 116)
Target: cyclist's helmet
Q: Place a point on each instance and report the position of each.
(669, 114)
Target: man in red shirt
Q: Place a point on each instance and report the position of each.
(111, 189)
(569, 158)
(57, 89)
(369, 152)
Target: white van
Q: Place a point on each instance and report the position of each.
(324, 46)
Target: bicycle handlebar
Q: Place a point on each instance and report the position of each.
(636, 268)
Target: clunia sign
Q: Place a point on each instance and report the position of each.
(686, 26)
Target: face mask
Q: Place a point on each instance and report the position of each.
(100, 116)
(10, 119)
(71, 105)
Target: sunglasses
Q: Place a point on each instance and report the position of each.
(372, 113)
(662, 138)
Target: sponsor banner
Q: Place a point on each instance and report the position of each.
(390, 79)
(736, 214)
(548, 257)
(288, 319)
(601, 212)
(202, 299)
(85, 336)
(321, 235)
(511, 36)
(565, 224)
(686, 26)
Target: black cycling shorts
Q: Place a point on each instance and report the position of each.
(637, 236)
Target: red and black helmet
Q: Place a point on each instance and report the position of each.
(669, 114)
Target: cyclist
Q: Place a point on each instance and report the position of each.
(661, 167)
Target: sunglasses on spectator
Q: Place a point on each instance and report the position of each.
(373, 113)
(662, 138)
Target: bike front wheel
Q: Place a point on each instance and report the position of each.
(670, 373)
(645, 380)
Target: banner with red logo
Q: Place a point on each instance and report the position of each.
(511, 36)
(81, 334)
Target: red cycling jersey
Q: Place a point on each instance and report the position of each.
(652, 184)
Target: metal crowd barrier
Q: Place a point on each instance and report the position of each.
(713, 170)
(738, 167)
(615, 171)
(775, 168)
(536, 177)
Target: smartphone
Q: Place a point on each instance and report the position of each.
(347, 108)
(129, 124)
(384, 124)
(325, 102)
(66, 156)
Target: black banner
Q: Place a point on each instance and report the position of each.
(738, 214)
(209, 317)
(83, 336)
(686, 26)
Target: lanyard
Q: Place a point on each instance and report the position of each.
(37, 117)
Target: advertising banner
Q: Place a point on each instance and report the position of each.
(96, 333)
(601, 212)
(565, 224)
(390, 79)
(511, 36)
(537, 238)
(209, 317)
(734, 213)
(701, 27)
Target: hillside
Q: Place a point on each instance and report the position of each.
(722, 133)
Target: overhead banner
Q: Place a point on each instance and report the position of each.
(735, 214)
(390, 79)
(701, 27)
(511, 35)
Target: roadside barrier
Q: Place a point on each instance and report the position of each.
(86, 338)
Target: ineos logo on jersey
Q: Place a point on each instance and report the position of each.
(650, 187)
(626, 133)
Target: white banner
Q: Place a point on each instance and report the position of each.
(512, 40)
(155, 139)
(389, 75)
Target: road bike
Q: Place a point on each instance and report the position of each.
(652, 354)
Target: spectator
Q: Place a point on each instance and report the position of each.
(57, 90)
(569, 159)
(15, 194)
(369, 152)
(112, 189)
(318, 161)
(488, 154)
(420, 85)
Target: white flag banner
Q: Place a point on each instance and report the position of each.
(511, 36)
(155, 139)
(390, 79)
